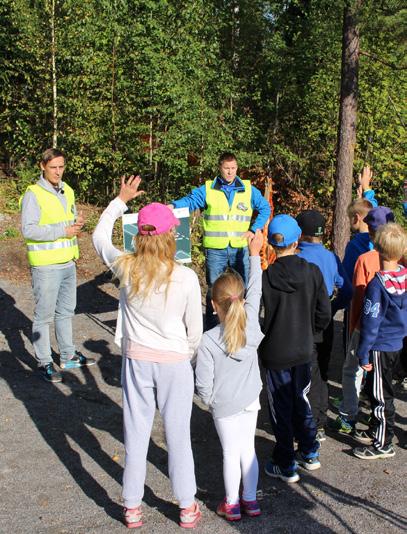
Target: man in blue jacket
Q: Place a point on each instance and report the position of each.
(228, 203)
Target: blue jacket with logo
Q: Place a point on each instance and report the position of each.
(197, 200)
(383, 323)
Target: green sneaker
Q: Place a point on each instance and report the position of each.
(342, 425)
(335, 402)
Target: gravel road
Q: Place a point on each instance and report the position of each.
(61, 447)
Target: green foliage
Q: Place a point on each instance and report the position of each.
(12, 190)
(162, 87)
(9, 233)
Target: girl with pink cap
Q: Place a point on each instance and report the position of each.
(159, 327)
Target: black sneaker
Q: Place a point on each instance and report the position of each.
(371, 453)
(363, 436)
(49, 373)
(79, 360)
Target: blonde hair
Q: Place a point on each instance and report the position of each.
(360, 206)
(150, 266)
(228, 293)
(391, 241)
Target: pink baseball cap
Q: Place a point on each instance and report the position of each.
(157, 215)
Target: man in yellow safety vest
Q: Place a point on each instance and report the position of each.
(228, 204)
(50, 226)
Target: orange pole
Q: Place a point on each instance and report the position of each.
(267, 254)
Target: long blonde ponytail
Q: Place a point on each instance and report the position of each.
(228, 293)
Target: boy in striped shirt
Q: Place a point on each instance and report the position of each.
(383, 325)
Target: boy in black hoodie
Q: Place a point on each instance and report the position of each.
(296, 306)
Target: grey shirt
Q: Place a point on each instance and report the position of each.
(230, 383)
(31, 214)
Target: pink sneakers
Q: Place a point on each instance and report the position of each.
(133, 517)
(189, 517)
(250, 508)
(231, 512)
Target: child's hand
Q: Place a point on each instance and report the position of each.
(129, 189)
(365, 178)
(367, 367)
(255, 243)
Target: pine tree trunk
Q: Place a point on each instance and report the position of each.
(347, 125)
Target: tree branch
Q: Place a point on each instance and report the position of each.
(376, 58)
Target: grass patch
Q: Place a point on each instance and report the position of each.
(9, 233)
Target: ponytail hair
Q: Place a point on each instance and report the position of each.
(228, 293)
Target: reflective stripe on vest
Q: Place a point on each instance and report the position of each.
(52, 245)
(226, 218)
(224, 224)
(52, 212)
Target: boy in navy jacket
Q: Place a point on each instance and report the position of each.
(382, 329)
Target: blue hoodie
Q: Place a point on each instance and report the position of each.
(383, 324)
(332, 271)
(358, 245)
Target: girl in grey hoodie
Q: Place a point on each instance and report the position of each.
(228, 381)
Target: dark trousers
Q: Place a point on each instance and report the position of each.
(403, 357)
(318, 395)
(290, 413)
(380, 390)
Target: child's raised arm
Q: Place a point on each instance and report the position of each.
(102, 235)
(253, 293)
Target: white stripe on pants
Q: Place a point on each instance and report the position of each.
(171, 387)
(236, 434)
(379, 410)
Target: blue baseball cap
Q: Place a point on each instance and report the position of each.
(285, 225)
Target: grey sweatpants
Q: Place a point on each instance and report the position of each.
(170, 386)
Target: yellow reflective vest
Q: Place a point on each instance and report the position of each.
(52, 211)
(224, 224)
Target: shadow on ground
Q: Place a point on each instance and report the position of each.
(61, 417)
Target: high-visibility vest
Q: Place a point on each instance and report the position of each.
(52, 211)
(224, 224)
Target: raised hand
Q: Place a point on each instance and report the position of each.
(365, 178)
(255, 243)
(129, 190)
